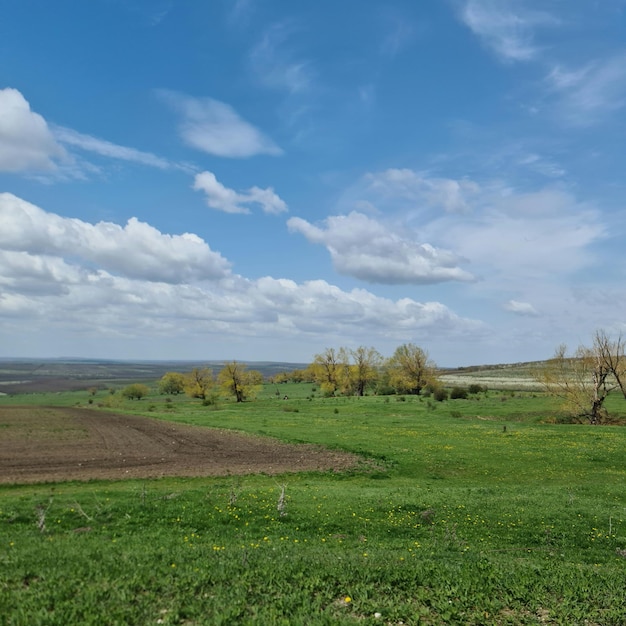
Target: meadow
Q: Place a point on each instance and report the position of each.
(478, 511)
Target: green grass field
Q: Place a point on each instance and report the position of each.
(482, 511)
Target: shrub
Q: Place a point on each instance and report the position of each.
(211, 399)
(475, 388)
(135, 391)
(440, 394)
(458, 393)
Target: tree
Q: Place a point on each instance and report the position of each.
(135, 391)
(172, 383)
(326, 370)
(238, 381)
(199, 382)
(365, 369)
(611, 353)
(410, 369)
(585, 379)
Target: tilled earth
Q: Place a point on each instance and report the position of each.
(41, 444)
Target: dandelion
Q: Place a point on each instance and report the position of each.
(347, 599)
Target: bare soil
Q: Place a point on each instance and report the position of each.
(48, 444)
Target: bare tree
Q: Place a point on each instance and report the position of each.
(585, 379)
(612, 355)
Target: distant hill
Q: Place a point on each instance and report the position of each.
(67, 374)
(500, 376)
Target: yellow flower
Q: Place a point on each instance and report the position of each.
(347, 599)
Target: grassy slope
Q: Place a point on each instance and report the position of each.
(470, 524)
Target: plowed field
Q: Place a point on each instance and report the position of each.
(39, 444)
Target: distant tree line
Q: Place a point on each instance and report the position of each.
(340, 371)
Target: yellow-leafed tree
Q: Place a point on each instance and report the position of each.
(237, 381)
(199, 382)
(410, 369)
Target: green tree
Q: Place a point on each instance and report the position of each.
(236, 380)
(172, 383)
(136, 391)
(199, 382)
(410, 369)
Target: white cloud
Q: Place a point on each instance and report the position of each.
(587, 94)
(230, 201)
(507, 28)
(274, 64)
(109, 281)
(106, 148)
(453, 196)
(216, 128)
(26, 142)
(399, 33)
(497, 228)
(136, 250)
(536, 235)
(366, 249)
(520, 308)
(542, 165)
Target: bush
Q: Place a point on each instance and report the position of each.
(475, 388)
(135, 391)
(211, 399)
(440, 394)
(458, 393)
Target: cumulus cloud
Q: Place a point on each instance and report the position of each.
(26, 141)
(230, 201)
(498, 229)
(111, 281)
(366, 249)
(136, 250)
(216, 128)
(520, 308)
(507, 28)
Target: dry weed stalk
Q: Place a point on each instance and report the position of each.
(82, 512)
(41, 512)
(281, 502)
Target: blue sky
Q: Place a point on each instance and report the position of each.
(263, 179)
